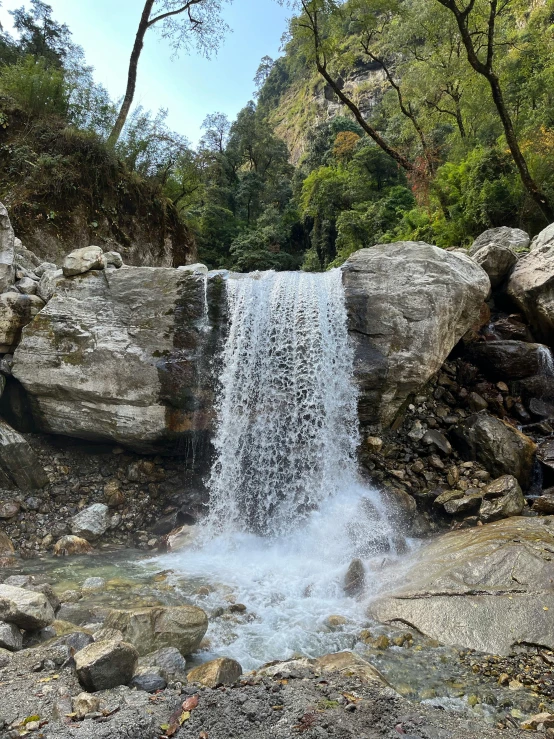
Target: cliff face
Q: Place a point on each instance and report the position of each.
(307, 102)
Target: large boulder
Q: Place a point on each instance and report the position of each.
(501, 448)
(531, 287)
(544, 238)
(512, 360)
(408, 305)
(106, 664)
(25, 608)
(19, 461)
(124, 355)
(502, 498)
(497, 261)
(7, 271)
(488, 588)
(149, 629)
(502, 237)
(16, 311)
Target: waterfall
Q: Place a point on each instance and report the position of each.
(546, 363)
(287, 417)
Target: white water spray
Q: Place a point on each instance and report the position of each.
(288, 511)
(546, 363)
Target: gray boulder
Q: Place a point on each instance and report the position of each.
(354, 580)
(7, 271)
(544, 238)
(531, 287)
(19, 461)
(25, 608)
(502, 498)
(182, 627)
(122, 355)
(83, 260)
(408, 305)
(45, 267)
(504, 237)
(92, 522)
(509, 359)
(167, 662)
(501, 448)
(27, 286)
(497, 261)
(113, 259)
(48, 282)
(105, 664)
(487, 588)
(11, 637)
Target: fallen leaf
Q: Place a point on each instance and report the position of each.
(190, 703)
(184, 717)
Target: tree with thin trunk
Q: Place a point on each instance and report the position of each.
(183, 23)
(479, 39)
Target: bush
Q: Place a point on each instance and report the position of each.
(35, 88)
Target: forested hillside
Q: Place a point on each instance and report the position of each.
(383, 120)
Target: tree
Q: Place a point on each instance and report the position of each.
(183, 23)
(477, 24)
(40, 35)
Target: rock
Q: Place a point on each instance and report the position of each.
(48, 283)
(25, 608)
(544, 238)
(417, 432)
(85, 703)
(438, 440)
(545, 453)
(7, 550)
(544, 504)
(477, 402)
(497, 261)
(167, 662)
(6, 364)
(19, 461)
(10, 637)
(83, 260)
(504, 237)
(447, 496)
(148, 681)
(106, 664)
(464, 504)
(93, 583)
(45, 267)
(27, 286)
(500, 448)
(69, 545)
(408, 306)
(531, 288)
(16, 312)
(25, 257)
(374, 444)
(113, 495)
(486, 588)
(354, 580)
(508, 359)
(221, 671)
(115, 355)
(349, 663)
(9, 508)
(501, 498)
(543, 720)
(7, 272)
(541, 409)
(113, 259)
(182, 627)
(91, 522)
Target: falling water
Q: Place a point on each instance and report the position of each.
(288, 511)
(546, 363)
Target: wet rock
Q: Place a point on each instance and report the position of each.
(69, 545)
(408, 304)
(182, 627)
(509, 359)
(25, 608)
(83, 260)
(541, 409)
(500, 448)
(85, 703)
(504, 237)
(106, 664)
(93, 583)
(167, 662)
(91, 522)
(544, 504)
(148, 681)
(221, 671)
(10, 637)
(354, 580)
(497, 261)
(501, 498)
(486, 588)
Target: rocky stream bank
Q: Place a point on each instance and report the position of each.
(108, 380)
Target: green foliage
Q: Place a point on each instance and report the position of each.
(37, 89)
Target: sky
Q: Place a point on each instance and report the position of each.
(190, 87)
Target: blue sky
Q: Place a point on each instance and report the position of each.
(190, 87)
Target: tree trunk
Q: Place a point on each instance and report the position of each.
(131, 75)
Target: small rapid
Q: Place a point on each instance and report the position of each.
(288, 510)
